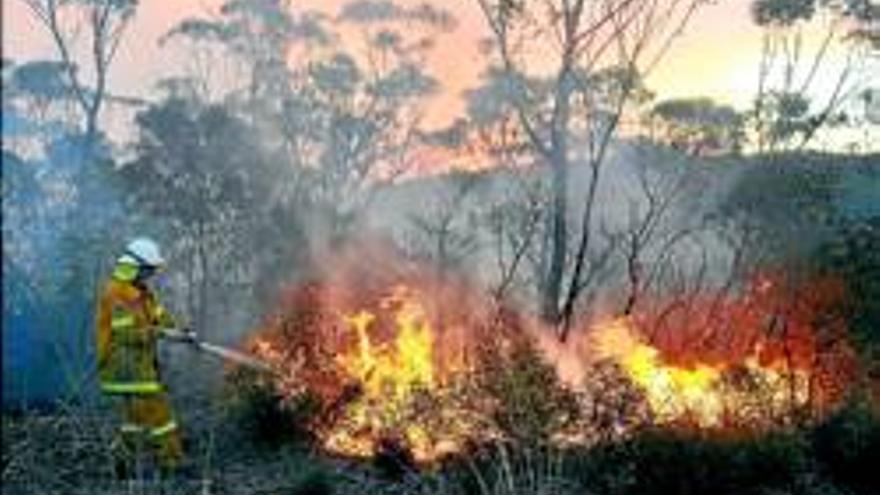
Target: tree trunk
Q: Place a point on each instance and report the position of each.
(202, 260)
(91, 129)
(552, 287)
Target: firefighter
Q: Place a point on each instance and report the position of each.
(130, 320)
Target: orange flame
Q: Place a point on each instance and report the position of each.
(386, 368)
(406, 344)
(706, 394)
(394, 376)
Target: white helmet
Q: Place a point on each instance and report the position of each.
(142, 251)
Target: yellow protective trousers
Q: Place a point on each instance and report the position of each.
(147, 420)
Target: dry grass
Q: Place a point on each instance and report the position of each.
(66, 452)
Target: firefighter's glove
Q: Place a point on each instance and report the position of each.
(190, 336)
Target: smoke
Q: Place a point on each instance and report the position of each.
(674, 199)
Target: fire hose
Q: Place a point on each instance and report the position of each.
(225, 353)
(349, 393)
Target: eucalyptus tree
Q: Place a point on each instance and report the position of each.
(61, 222)
(341, 96)
(699, 125)
(103, 25)
(202, 172)
(572, 70)
(61, 212)
(35, 106)
(789, 107)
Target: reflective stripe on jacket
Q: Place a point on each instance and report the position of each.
(128, 321)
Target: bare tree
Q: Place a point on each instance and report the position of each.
(570, 102)
(105, 22)
(445, 233)
(651, 236)
(514, 224)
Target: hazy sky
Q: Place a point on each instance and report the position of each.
(717, 56)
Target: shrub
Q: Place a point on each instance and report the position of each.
(847, 447)
(666, 461)
(531, 404)
(267, 417)
(314, 482)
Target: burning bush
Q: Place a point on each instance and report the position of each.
(774, 351)
(388, 357)
(613, 404)
(386, 352)
(528, 403)
(408, 359)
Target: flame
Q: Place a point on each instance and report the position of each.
(393, 377)
(702, 393)
(382, 365)
(396, 356)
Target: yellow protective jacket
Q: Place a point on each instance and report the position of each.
(129, 320)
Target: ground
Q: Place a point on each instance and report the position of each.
(63, 450)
